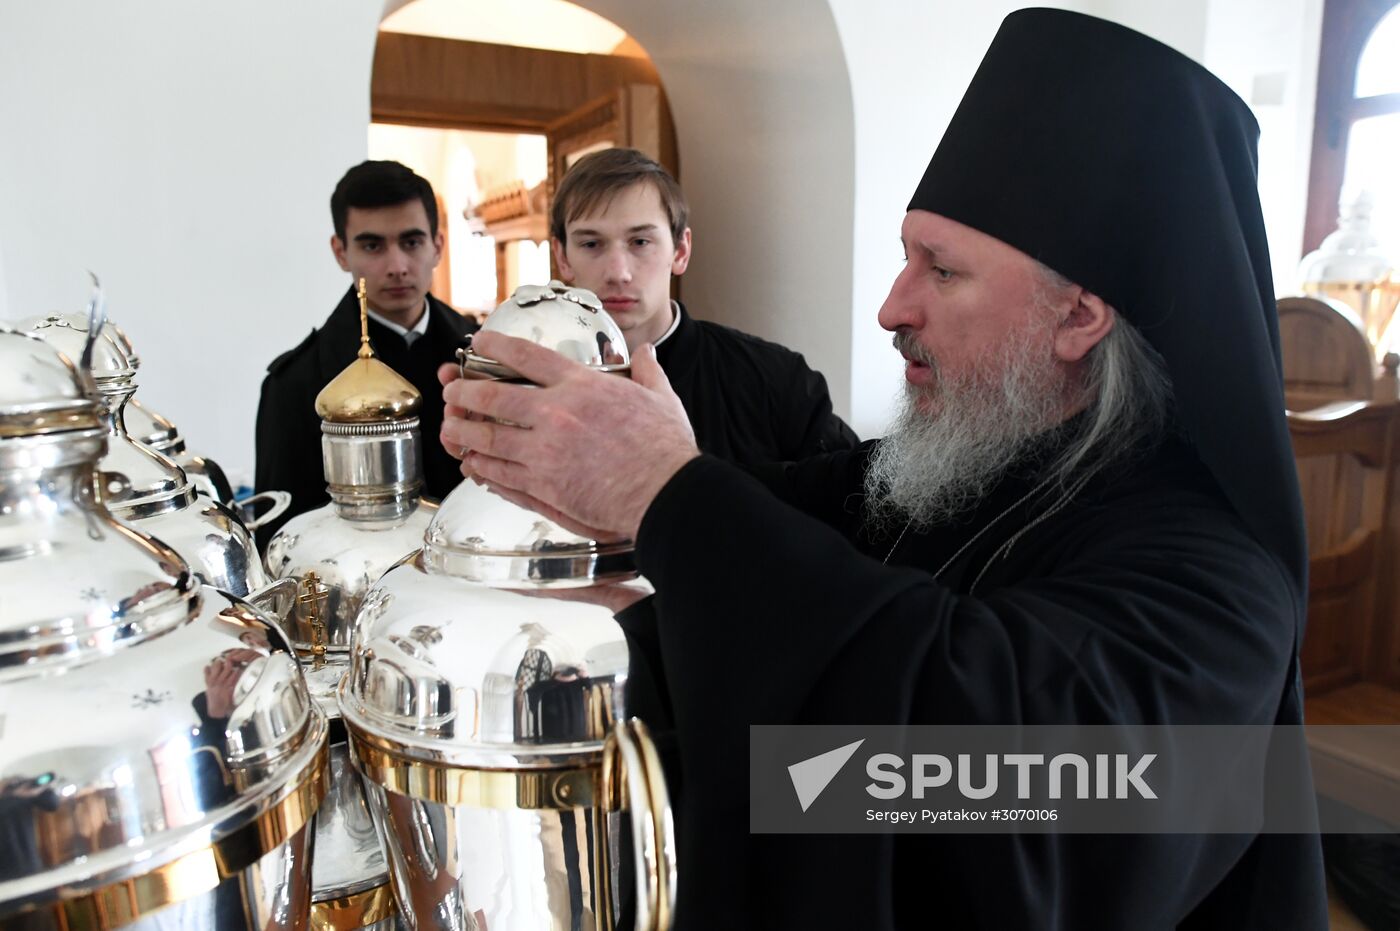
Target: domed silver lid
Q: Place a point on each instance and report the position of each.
(135, 478)
(481, 537)
(159, 767)
(445, 669)
(41, 391)
(571, 321)
(156, 732)
(68, 333)
(124, 342)
(61, 602)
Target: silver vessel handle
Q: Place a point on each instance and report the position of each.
(281, 500)
(278, 600)
(97, 318)
(632, 778)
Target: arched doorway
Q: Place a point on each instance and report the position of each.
(764, 126)
(491, 102)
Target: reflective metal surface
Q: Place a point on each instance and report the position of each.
(211, 537)
(37, 391)
(371, 464)
(331, 556)
(368, 391)
(486, 703)
(347, 556)
(480, 536)
(479, 717)
(248, 508)
(151, 429)
(448, 670)
(269, 895)
(148, 428)
(161, 755)
(571, 321)
(144, 487)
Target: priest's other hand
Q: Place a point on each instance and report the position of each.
(587, 449)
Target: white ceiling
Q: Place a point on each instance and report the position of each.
(546, 24)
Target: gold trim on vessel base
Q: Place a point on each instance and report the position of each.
(529, 790)
(121, 903)
(353, 911)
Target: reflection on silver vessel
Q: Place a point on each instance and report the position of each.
(155, 431)
(151, 429)
(161, 756)
(369, 444)
(148, 490)
(486, 705)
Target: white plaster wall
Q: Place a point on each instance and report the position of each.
(185, 152)
(909, 65)
(1267, 51)
(1178, 23)
(762, 105)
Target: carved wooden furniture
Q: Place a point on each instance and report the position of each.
(1346, 460)
(1326, 356)
(1344, 420)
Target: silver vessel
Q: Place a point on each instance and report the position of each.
(146, 426)
(146, 489)
(160, 756)
(370, 451)
(486, 703)
(157, 432)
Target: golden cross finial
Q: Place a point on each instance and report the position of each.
(312, 594)
(366, 351)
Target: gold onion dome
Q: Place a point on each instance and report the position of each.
(367, 390)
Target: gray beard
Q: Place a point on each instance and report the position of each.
(932, 468)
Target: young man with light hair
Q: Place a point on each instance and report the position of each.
(619, 227)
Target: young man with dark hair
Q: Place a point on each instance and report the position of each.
(386, 232)
(618, 227)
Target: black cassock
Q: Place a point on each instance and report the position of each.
(1168, 591)
(289, 430)
(749, 400)
(1145, 599)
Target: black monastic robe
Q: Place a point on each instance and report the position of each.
(749, 400)
(1143, 600)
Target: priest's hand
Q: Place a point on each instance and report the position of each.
(587, 449)
(447, 373)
